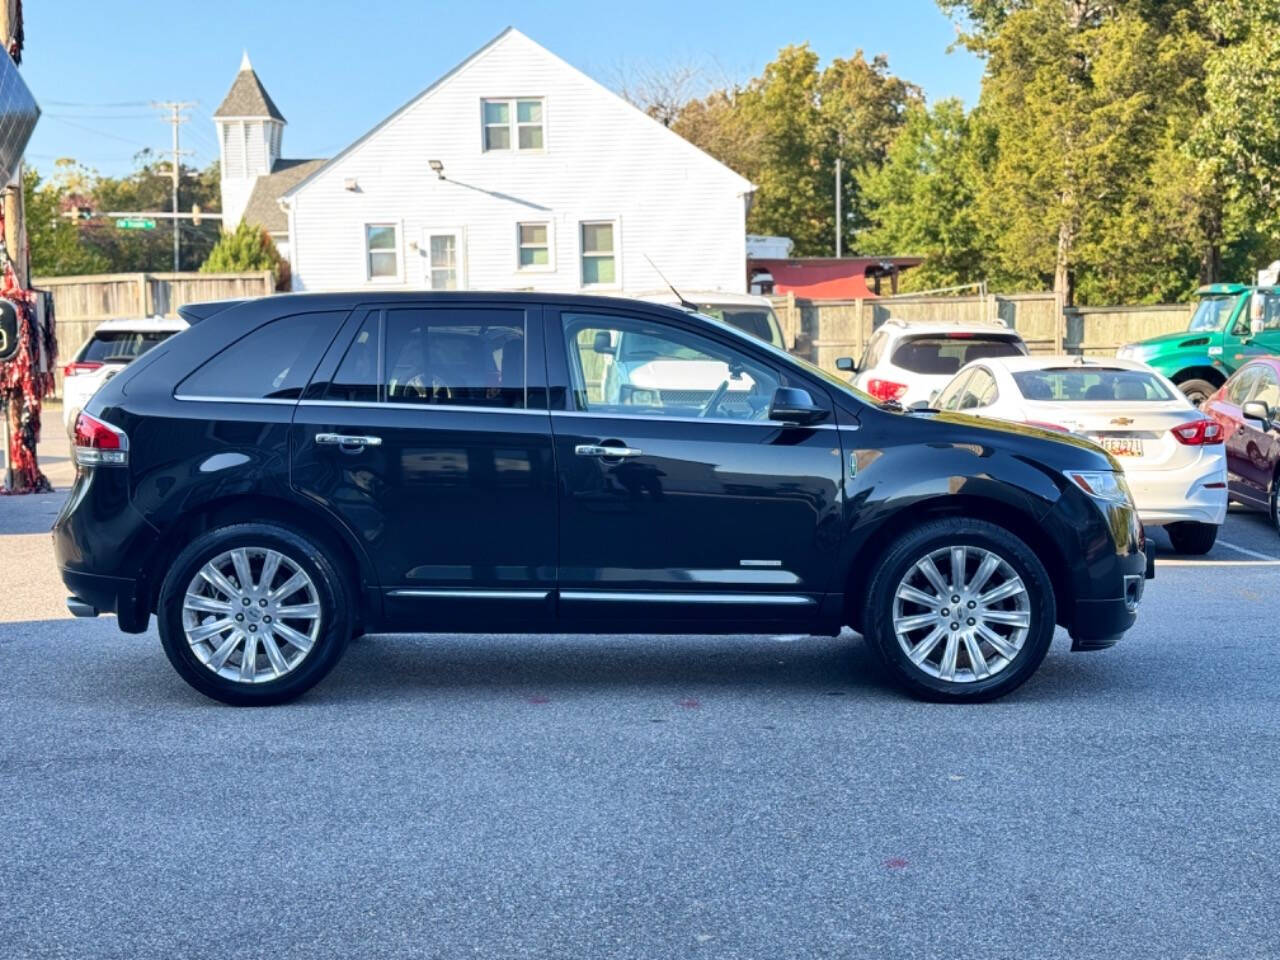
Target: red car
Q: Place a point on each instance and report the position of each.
(1248, 407)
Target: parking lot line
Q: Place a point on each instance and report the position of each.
(1247, 552)
(1161, 563)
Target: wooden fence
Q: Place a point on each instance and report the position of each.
(822, 330)
(81, 303)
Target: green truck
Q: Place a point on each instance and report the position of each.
(1232, 324)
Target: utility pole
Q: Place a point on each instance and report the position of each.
(838, 214)
(839, 194)
(176, 119)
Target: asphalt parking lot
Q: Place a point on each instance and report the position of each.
(744, 797)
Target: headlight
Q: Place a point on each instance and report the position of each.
(1104, 485)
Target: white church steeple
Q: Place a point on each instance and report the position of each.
(250, 128)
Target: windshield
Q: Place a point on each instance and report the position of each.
(945, 354)
(760, 322)
(644, 346)
(1091, 385)
(121, 345)
(1212, 314)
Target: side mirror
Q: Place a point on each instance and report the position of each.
(603, 342)
(1257, 410)
(795, 406)
(846, 365)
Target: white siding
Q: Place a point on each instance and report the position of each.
(603, 160)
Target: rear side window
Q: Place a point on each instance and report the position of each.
(274, 362)
(944, 355)
(455, 357)
(111, 346)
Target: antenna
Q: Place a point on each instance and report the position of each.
(683, 302)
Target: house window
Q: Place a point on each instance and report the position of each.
(381, 251)
(535, 245)
(515, 121)
(443, 254)
(599, 267)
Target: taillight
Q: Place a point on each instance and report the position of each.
(1199, 433)
(886, 391)
(97, 442)
(80, 366)
(1045, 425)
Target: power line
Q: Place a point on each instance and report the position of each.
(100, 133)
(77, 103)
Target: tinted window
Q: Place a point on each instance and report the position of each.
(273, 362)
(357, 377)
(121, 345)
(620, 365)
(455, 357)
(945, 355)
(1091, 385)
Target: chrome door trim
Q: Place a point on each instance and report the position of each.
(471, 594)
(640, 596)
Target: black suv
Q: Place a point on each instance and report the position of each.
(295, 470)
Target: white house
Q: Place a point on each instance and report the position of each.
(514, 171)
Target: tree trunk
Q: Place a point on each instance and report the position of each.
(1063, 278)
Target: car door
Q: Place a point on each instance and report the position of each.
(425, 431)
(1256, 441)
(1224, 407)
(681, 504)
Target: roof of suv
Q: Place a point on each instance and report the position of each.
(913, 328)
(142, 324)
(705, 296)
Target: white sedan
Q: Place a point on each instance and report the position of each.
(1173, 455)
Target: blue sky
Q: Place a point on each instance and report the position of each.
(336, 68)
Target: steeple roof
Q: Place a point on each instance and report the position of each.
(247, 97)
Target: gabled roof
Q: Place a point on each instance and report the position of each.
(747, 186)
(247, 97)
(262, 207)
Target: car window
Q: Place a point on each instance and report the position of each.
(273, 362)
(1091, 385)
(1270, 314)
(450, 356)
(758, 321)
(1267, 388)
(874, 348)
(620, 365)
(979, 391)
(121, 345)
(1211, 313)
(944, 355)
(1241, 385)
(949, 398)
(357, 378)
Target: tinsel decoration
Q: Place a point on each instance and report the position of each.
(23, 385)
(15, 44)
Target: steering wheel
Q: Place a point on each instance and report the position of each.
(713, 401)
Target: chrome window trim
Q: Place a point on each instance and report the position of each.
(200, 398)
(639, 596)
(775, 424)
(394, 404)
(473, 594)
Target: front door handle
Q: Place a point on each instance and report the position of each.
(597, 450)
(347, 441)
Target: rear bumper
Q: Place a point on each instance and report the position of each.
(1182, 495)
(100, 594)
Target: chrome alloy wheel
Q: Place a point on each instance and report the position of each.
(961, 614)
(251, 614)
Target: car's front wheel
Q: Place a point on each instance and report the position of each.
(960, 610)
(254, 614)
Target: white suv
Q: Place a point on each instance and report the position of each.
(113, 346)
(909, 362)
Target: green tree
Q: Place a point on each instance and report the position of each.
(52, 236)
(922, 199)
(247, 247)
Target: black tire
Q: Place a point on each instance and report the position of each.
(1195, 539)
(332, 592)
(1275, 501)
(1197, 391)
(936, 535)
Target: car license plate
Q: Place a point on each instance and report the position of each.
(1121, 446)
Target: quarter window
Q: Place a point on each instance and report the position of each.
(274, 362)
(513, 121)
(535, 246)
(382, 257)
(455, 357)
(619, 365)
(599, 264)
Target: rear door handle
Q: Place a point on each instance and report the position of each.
(597, 450)
(347, 441)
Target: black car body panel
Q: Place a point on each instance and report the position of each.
(483, 517)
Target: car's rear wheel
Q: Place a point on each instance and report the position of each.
(1197, 391)
(1195, 539)
(1275, 501)
(254, 614)
(960, 610)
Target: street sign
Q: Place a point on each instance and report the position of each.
(135, 223)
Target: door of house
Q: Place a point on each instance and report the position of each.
(444, 258)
